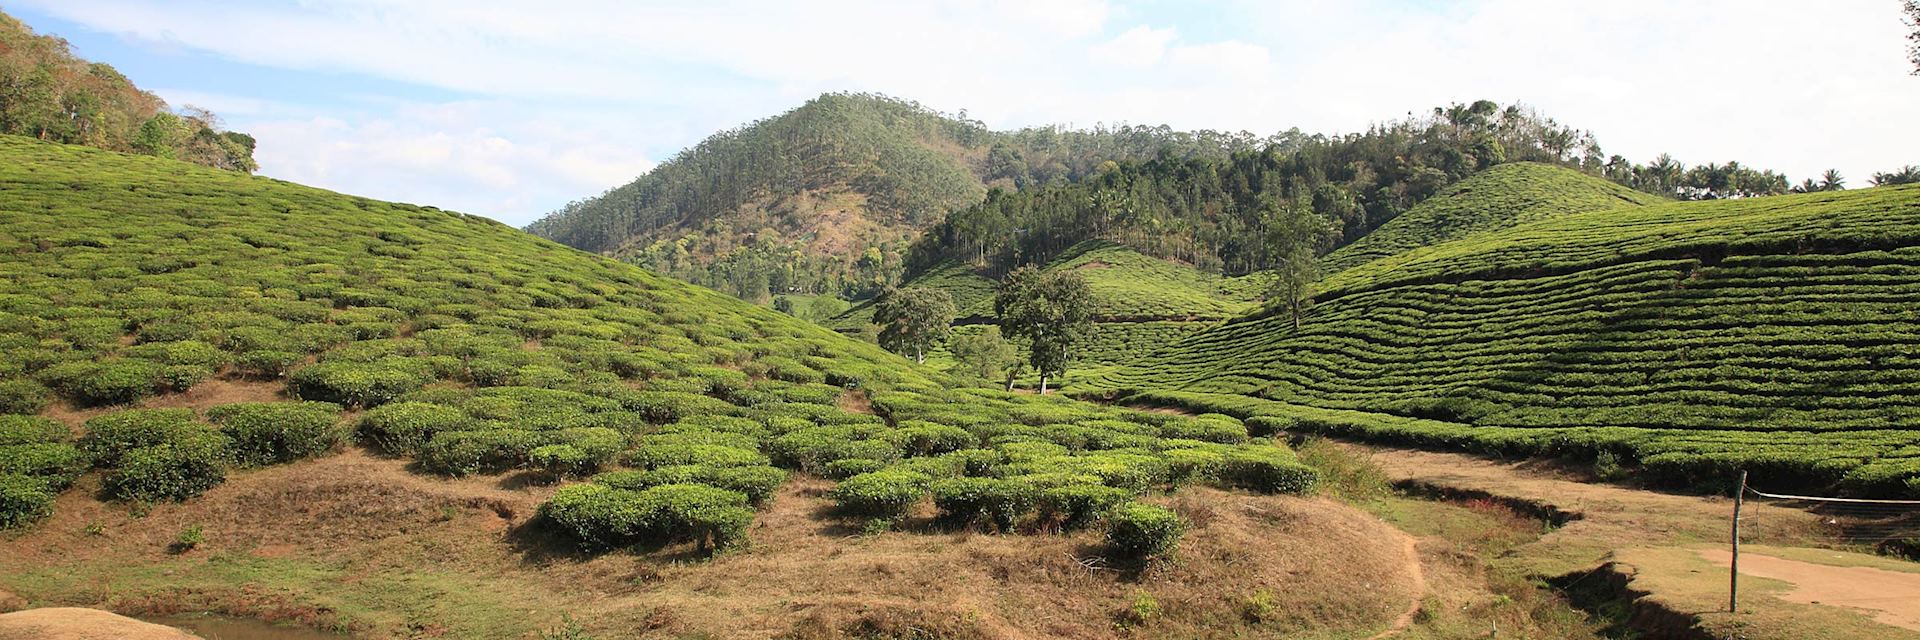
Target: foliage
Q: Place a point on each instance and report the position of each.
(913, 319)
(181, 467)
(48, 93)
(984, 354)
(1144, 531)
(23, 396)
(1050, 311)
(404, 428)
(266, 433)
(994, 502)
(23, 501)
(606, 517)
(881, 494)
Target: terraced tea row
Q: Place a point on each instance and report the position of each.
(1803, 361)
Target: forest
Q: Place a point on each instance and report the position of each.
(48, 93)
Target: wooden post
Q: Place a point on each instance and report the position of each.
(1733, 585)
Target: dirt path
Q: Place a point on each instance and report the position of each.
(1892, 597)
(1410, 550)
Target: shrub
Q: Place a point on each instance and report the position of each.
(23, 396)
(600, 516)
(113, 382)
(757, 483)
(404, 428)
(849, 467)
(31, 430)
(460, 453)
(181, 377)
(1144, 531)
(558, 460)
(882, 494)
(812, 448)
(353, 384)
(178, 469)
(1077, 505)
(927, 438)
(23, 501)
(266, 433)
(55, 463)
(650, 456)
(267, 363)
(992, 501)
(1211, 427)
(597, 445)
(109, 436)
(1267, 470)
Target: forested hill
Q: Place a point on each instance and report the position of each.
(826, 197)
(1213, 213)
(48, 93)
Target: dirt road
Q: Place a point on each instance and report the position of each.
(1891, 597)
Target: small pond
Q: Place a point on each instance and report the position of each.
(214, 627)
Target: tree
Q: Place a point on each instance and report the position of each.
(1052, 311)
(985, 355)
(1912, 8)
(1909, 174)
(1295, 235)
(913, 319)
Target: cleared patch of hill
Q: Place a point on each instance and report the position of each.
(1685, 339)
(825, 198)
(173, 337)
(1501, 197)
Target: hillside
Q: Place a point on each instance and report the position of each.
(826, 197)
(1504, 196)
(229, 393)
(46, 92)
(1686, 339)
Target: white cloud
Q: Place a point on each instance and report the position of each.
(568, 99)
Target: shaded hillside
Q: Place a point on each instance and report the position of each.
(1690, 339)
(171, 335)
(1504, 196)
(825, 198)
(48, 93)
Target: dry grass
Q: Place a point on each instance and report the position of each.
(359, 542)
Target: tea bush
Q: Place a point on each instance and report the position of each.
(1144, 531)
(266, 433)
(404, 428)
(993, 502)
(605, 517)
(23, 396)
(353, 384)
(881, 494)
(23, 501)
(179, 468)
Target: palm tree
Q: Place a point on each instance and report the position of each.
(1831, 181)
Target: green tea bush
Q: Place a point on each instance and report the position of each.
(881, 494)
(1211, 427)
(1076, 505)
(757, 483)
(23, 501)
(56, 464)
(849, 467)
(920, 438)
(559, 460)
(604, 517)
(180, 468)
(353, 384)
(107, 437)
(650, 456)
(32, 430)
(994, 502)
(462, 453)
(23, 396)
(267, 363)
(1266, 469)
(110, 382)
(404, 428)
(265, 433)
(811, 449)
(1143, 531)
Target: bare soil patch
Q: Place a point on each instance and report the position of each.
(72, 623)
(1891, 597)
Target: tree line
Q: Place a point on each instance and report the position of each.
(48, 93)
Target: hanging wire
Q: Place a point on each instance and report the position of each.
(1887, 526)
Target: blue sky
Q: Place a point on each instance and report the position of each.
(510, 109)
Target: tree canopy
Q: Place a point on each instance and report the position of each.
(1051, 310)
(913, 320)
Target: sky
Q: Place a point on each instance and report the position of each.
(511, 109)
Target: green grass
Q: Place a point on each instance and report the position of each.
(1502, 197)
(475, 348)
(1693, 339)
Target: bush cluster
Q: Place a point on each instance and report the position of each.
(265, 433)
(605, 517)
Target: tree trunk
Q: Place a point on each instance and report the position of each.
(1010, 375)
(1043, 384)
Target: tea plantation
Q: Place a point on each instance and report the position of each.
(1779, 335)
(472, 348)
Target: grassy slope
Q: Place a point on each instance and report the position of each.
(1502, 197)
(117, 268)
(1691, 338)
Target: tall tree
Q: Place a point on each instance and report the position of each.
(913, 319)
(1295, 235)
(1909, 174)
(1052, 311)
(1912, 8)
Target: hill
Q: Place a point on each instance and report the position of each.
(1503, 196)
(1684, 339)
(48, 93)
(385, 418)
(826, 197)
